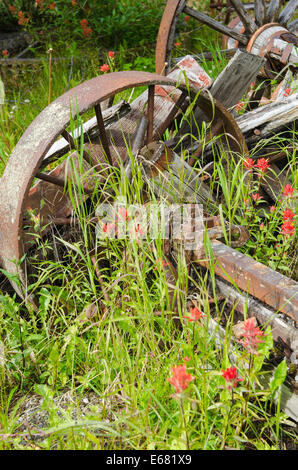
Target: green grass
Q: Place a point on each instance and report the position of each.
(116, 337)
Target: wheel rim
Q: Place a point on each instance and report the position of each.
(28, 156)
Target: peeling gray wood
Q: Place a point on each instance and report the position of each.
(268, 118)
(234, 81)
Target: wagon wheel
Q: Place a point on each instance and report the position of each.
(29, 162)
(269, 35)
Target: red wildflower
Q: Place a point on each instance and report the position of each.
(12, 8)
(104, 68)
(250, 334)
(22, 19)
(84, 23)
(186, 359)
(288, 190)
(5, 52)
(248, 163)
(272, 208)
(262, 165)
(161, 263)
(288, 228)
(52, 6)
(138, 230)
(74, 2)
(195, 314)
(39, 3)
(122, 213)
(288, 214)
(180, 378)
(287, 92)
(231, 377)
(239, 106)
(111, 54)
(108, 228)
(262, 226)
(186, 18)
(177, 44)
(256, 197)
(87, 32)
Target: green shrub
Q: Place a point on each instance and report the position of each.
(108, 22)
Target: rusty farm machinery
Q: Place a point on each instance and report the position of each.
(55, 157)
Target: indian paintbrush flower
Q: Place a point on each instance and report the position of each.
(180, 378)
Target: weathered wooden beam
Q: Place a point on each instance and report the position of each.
(273, 11)
(235, 79)
(268, 119)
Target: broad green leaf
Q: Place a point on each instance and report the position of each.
(279, 375)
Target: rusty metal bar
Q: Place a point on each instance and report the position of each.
(162, 128)
(269, 286)
(150, 113)
(58, 181)
(102, 133)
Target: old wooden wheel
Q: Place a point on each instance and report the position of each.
(31, 187)
(269, 33)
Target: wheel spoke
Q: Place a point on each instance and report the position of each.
(67, 136)
(293, 26)
(58, 181)
(205, 19)
(150, 113)
(246, 19)
(169, 119)
(288, 12)
(259, 12)
(102, 133)
(273, 11)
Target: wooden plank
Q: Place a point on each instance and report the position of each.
(288, 12)
(235, 79)
(269, 118)
(205, 19)
(246, 19)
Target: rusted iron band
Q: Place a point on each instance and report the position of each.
(269, 286)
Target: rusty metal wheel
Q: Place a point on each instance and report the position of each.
(34, 189)
(270, 33)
